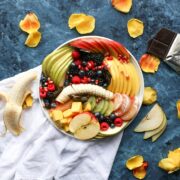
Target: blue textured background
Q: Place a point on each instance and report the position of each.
(53, 14)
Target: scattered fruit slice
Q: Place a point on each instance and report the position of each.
(152, 120)
(30, 23)
(135, 27)
(149, 63)
(156, 131)
(79, 121)
(150, 95)
(178, 108)
(122, 5)
(134, 162)
(140, 172)
(87, 25)
(33, 39)
(75, 19)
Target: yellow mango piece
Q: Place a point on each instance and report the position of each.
(28, 102)
(167, 164)
(135, 27)
(76, 107)
(76, 19)
(68, 113)
(86, 26)
(140, 172)
(134, 162)
(150, 95)
(178, 108)
(33, 39)
(57, 115)
(66, 128)
(87, 107)
(65, 121)
(30, 23)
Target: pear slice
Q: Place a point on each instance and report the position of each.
(149, 134)
(156, 136)
(152, 120)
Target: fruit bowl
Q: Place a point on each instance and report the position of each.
(91, 87)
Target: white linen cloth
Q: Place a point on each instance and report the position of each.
(41, 152)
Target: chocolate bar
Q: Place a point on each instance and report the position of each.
(166, 46)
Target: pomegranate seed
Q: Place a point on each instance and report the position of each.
(79, 66)
(86, 68)
(77, 62)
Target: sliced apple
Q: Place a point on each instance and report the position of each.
(122, 5)
(117, 101)
(152, 120)
(149, 134)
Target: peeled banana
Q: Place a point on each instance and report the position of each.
(14, 101)
(83, 89)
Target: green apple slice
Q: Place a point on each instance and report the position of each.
(105, 107)
(110, 109)
(55, 68)
(92, 101)
(149, 134)
(156, 136)
(99, 106)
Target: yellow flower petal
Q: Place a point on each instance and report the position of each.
(75, 19)
(134, 162)
(167, 164)
(30, 23)
(122, 5)
(135, 27)
(33, 39)
(178, 108)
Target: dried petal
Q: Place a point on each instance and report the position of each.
(33, 39)
(135, 27)
(175, 156)
(134, 162)
(122, 5)
(149, 63)
(150, 95)
(75, 19)
(178, 108)
(86, 26)
(30, 23)
(167, 164)
(140, 172)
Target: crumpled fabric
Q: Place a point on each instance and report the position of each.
(41, 152)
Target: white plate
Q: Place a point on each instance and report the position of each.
(110, 131)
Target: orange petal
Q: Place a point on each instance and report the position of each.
(178, 108)
(30, 23)
(87, 25)
(122, 5)
(75, 19)
(33, 39)
(140, 172)
(149, 63)
(135, 27)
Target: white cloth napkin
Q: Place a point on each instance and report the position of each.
(43, 153)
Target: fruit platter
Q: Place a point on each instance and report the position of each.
(91, 87)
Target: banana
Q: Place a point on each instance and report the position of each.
(81, 89)
(14, 101)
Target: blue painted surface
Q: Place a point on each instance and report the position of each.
(53, 14)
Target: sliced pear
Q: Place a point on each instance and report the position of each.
(99, 106)
(105, 108)
(156, 136)
(152, 120)
(110, 109)
(149, 134)
(92, 101)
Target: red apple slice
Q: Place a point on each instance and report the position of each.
(126, 104)
(118, 99)
(79, 121)
(132, 111)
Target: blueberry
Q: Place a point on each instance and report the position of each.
(112, 125)
(66, 83)
(81, 73)
(112, 116)
(50, 95)
(53, 105)
(84, 63)
(84, 99)
(92, 81)
(43, 80)
(105, 85)
(73, 64)
(47, 103)
(101, 117)
(99, 72)
(97, 114)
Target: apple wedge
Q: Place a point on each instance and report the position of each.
(152, 120)
(84, 126)
(149, 134)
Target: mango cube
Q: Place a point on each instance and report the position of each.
(76, 107)
(57, 115)
(68, 113)
(66, 128)
(65, 121)
(87, 107)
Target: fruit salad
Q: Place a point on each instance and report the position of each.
(89, 87)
